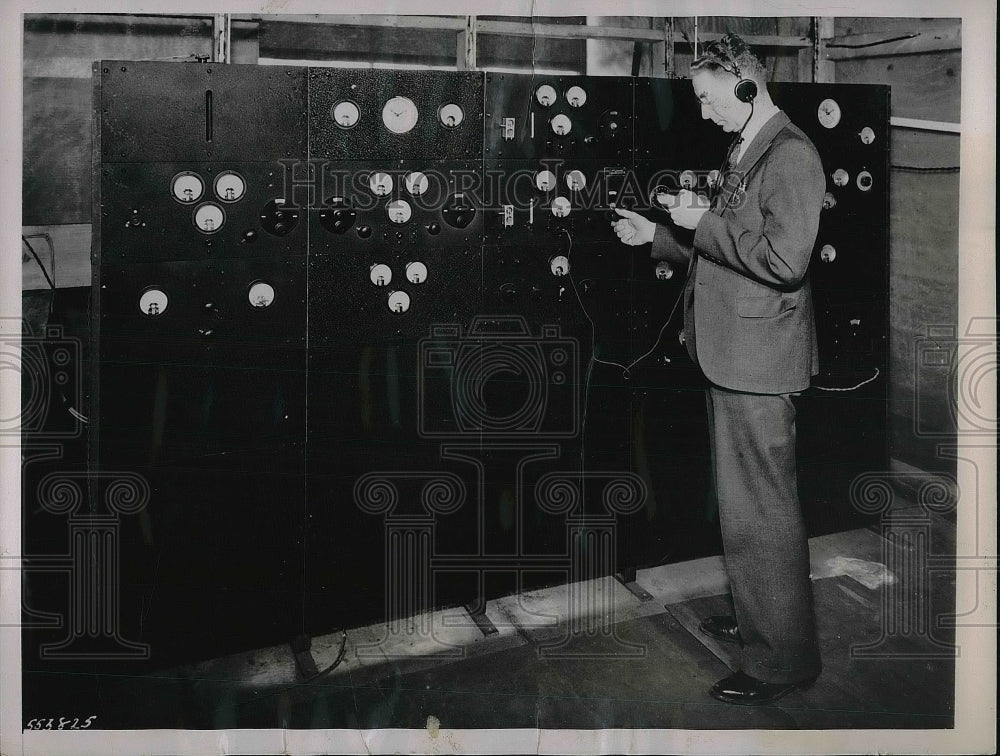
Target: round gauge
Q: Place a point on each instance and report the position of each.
(380, 183)
(828, 253)
(545, 181)
(153, 302)
(399, 115)
(559, 265)
(230, 186)
(841, 177)
(561, 207)
(209, 217)
(663, 271)
(416, 272)
(713, 177)
(399, 211)
(380, 274)
(451, 115)
(867, 135)
(864, 181)
(687, 180)
(828, 113)
(261, 294)
(575, 180)
(399, 301)
(187, 187)
(576, 96)
(415, 183)
(346, 114)
(546, 95)
(829, 201)
(561, 125)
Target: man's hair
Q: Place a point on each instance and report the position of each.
(731, 54)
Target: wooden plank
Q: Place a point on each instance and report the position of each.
(57, 158)
(927, 87)
(438, 23)
(72, 253)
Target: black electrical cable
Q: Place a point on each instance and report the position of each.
(873, 44)
(927, 169)
(39, 261)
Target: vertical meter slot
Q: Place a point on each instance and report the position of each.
(208, 115)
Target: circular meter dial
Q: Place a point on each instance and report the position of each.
(187, 187)
(346, 114)
(545, 181)
(208, 218)
(576, 96)
(451, 115)
(546, 95)
(261, 294)
(399, 115)
(415, 183)
(416, 272)
(153, 302)
(561, 125)
(380, 183)
(828, 113)
(399, 211)
(229, 186)
(575, 180)
(399, 301)
(561, 207)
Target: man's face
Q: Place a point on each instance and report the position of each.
(719, 103)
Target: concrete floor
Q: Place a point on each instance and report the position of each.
(619, 662)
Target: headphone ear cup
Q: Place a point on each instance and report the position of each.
(746, 90)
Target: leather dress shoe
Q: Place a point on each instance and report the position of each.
(721, 628)
(740, 688)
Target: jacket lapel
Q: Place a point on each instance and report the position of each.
(734, 181)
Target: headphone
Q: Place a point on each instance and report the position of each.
(732, 47)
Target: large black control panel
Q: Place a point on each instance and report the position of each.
(370, 339)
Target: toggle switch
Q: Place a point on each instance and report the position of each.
(277, 218)
(399, 302)
(434, 228)
(364, 231)
(458, 213)
(416, 272)
(338, 216)
(559, 265)
(380, 274)
(609, 126)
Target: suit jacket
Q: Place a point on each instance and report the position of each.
(748, 314)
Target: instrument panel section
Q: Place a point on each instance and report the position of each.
(378, 114)
(529, 116)
(201, 111)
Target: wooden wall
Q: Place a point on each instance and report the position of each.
(923, 231)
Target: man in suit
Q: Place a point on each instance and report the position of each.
(749, 325)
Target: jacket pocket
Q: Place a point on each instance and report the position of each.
(763, 307)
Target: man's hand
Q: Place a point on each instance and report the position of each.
(687, 208)
(632, 228)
